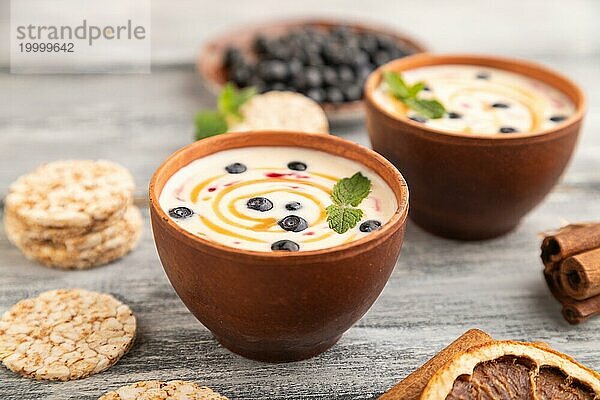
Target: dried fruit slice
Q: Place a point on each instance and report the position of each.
(513, 370)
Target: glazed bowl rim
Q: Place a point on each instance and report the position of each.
(396, 222)
(502, 63)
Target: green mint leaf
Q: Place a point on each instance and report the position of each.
(231, 99)
(415, 89)
(209, 123)
(428, 108)
(408, 95)
(342, 218)
(351, 191)
(396, 84)
(346, 195)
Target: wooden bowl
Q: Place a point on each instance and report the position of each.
(210, 60)
(466, 186)
(278, 306)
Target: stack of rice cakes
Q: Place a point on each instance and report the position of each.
(73, 214)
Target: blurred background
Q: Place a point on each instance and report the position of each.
(94, 113)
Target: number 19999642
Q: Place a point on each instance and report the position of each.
(46, 47)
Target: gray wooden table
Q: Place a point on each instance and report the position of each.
(439, 289)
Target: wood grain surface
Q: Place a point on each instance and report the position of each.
(439, 289)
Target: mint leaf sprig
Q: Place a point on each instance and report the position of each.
(408, 95)
(347, 194)
(230, 100)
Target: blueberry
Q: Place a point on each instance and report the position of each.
(233, 56)
(295, 67)
(381, 57)
(317, 94)
(241, 75)
(285, 245)
(368, 42)
(500, 105)
(259, 204)
(236, 168)
(277, 86)
(346, 74)
(260, 44)
(483, 75)
(334, 95)
(558, 118)
(297, 166)
(273, 71)
(386, 42)
(508, 129)
(330, 76)
(418, 118)
(314, 60)
(362, 73)
(180, 212)
(293, 206)
(427, 88)
(370, 226)
(352, 92)
(293, 223)
(313, 77)
(454, 115)
(360, 58)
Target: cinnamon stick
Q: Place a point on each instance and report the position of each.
(410, 388)
(570, 240)
(578, 311)
(580, 275)
(552, 276)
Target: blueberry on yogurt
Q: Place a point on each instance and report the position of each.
(180, 212)
(418, 118)
(558, 118)
(500, 105)
(293, 206)
(285, 245)
(454, 115)
(370, 226)
(297, 166)
(259, 204)
(293, 223)
(508, 129)
(236, 168)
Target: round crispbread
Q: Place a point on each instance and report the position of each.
(86, 251)
(65, 334)
(157, 390)
(545, 372)
(53, 234)
(70, 194)
(282, 111)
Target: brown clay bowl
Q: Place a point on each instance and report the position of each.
(473, 187)
(210, 60)
(278, 306)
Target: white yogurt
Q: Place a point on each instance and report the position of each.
(482, 100)
(219, 199)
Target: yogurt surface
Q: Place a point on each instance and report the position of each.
(482, 100)
(256, 198)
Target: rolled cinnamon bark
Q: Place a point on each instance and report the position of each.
(410, 388)
(552, 276)
(578, 311)
(570, 240)
(580, 275)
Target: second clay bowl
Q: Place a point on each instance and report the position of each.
(278, 306)
(469, 186)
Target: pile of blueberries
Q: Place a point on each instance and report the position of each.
(327, 65)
